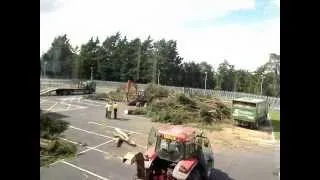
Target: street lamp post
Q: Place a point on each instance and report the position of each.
(262, 78)
(158, 77)
(91, 73)
(205, 82)
(45, 64)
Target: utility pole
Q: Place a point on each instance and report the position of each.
(262, 78)
(91, 73)
(205, 81)
(155, 63)
(158, 77)
(45, 64)
(138, 64)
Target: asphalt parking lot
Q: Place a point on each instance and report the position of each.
(100, 158)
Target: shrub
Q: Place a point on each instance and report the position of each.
(63, 148)
(51, 128)
(139, 111)
(155, 92)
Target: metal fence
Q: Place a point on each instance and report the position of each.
(227, 95)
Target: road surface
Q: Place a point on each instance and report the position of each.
(101, 159)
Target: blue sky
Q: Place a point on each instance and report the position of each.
(242, 31)
(263, 10)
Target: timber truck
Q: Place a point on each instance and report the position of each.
(175, 152)
(86, 87)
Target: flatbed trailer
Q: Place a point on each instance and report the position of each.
(78, 89)
(66, 91)
(71, 91)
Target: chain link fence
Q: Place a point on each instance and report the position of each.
(226, 95)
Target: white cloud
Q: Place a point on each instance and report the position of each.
(244, 46)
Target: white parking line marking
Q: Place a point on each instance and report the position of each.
(90, 132)
(89, 104)
(70, 141)
(61, 110)
(84, 170)
(92, 101)
(69, 105)
(43, 100)
(91, 122)
(91, 148)
(51, 107)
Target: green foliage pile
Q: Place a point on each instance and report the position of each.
(52, 148)
(50, 129)
(138, 111)
(181, 109)
(155, 92)
(57, 149)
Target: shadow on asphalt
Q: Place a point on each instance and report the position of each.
(220, 175)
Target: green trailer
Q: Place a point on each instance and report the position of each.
(249, 112)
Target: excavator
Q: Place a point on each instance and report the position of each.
(138, 95)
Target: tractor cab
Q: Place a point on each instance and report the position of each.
(178, 149)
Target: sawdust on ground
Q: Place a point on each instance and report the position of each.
(239, 138)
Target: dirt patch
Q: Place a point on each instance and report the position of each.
(229, 138)
(240, 139)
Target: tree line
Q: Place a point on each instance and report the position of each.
(119, 59)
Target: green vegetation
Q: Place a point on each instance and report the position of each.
(51, 148)
(181, 109)
(119, 59)
(275, 118)
(57, 149)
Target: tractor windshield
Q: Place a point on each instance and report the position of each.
(170, 150)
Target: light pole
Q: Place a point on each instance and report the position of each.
(91, 73)
(262, 78)
(44, 69)
(158, 77)
(205, 81)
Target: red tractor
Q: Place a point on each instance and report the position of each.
(176, 153)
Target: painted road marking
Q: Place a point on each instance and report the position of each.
(102, 135)
(52, 107)
(91, 148)
(89, 104)
(92, 122)
(91, 132)
(97, 102)
(84, 170)
(43, 100)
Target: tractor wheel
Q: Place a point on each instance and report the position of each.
(194, 175)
